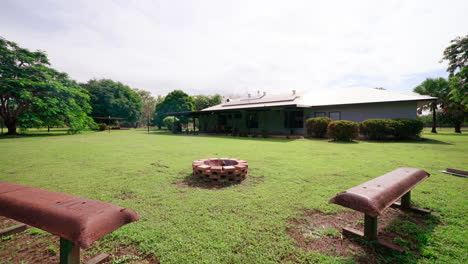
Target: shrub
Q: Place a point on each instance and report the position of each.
(377, 128)
(102, 126)
(386, 128)
(342, 130)
(407, 128)
(170, 122)
(317, 126)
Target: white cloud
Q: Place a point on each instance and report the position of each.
(238, 46)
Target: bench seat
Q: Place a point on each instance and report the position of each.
(79, 220)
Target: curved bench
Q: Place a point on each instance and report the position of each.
(373, 197)
(78, 221)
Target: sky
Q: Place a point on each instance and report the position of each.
(239, 47)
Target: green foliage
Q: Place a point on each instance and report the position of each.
(110, 98)
(102, 126)
(407, 128)
(148, 107)
(317, 126)
(377, 128)
(175, 101)
(205, 101)
(342, 130)
(457, 54)
(33, 95)
(458, 84)
(386, 128)
(170, 122)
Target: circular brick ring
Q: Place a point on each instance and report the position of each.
(218, 171)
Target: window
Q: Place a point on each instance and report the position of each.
(335, 115)
(320, 114)
(252, 120)
(294, 119)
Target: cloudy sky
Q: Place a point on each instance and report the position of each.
(235, 47)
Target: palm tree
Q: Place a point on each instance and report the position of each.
(437, 88)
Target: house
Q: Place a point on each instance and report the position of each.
(287, 113)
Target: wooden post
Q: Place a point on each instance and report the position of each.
(406, 201)
(370, 227)
(69, 252)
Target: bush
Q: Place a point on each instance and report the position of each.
(102, 126)
(317, 126)
(170, 121)
(387, 128)
(342, 130)
(377, 128)
(407, 128)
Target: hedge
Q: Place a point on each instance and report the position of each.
(391, 128)
(343, 130)
(377, 128)
(317, 126)
(407, 128)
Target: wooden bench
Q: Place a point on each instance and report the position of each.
(77, 221)
(375, 196)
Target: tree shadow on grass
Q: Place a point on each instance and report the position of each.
(419, 141)
(322, 232)
(259, 139)
(27, 135)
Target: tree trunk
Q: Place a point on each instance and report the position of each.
(434, 121)
(457, 127)
(48, 128)
(11, 128)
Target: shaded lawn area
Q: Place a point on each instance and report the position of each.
(246, 223)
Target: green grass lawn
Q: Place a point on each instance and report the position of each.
(244, 223)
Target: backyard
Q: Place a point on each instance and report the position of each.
(253, 222)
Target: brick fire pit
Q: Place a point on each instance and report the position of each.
(218, 171)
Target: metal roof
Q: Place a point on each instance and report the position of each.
(328, 97)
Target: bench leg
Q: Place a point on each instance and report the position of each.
(370, 233)
(405, 205)
(406, 201)
(69, 252)
(370, 227)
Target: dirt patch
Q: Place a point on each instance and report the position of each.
(322, 232)
(37, 246)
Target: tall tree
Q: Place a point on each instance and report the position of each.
(204, 101)
(457, 56)
(110, 98)
(436, 88)
(175, 101)
(149, 105)
(32, 94)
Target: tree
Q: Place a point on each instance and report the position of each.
(175, 101)
(32, 94)
(149, 106)
(436, 88)
(110, 98)
(457, 54)
(205, 101)
(458, 84)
